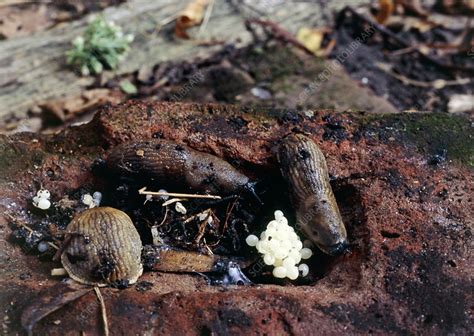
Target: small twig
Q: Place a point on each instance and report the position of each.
(173, 200)
(164, 218)
(278, 33)
(207, 247)
(207, 16)
(402, 42)
(194, 216)
(143, 191)
(103, 310)
(227, 216)
(437, 84)
(58, 272)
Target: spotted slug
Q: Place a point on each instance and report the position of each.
(102, 247)
(166, 162)
(303, 166)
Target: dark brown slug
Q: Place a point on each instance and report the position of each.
(101, 247)
(167, 162)
(304, 167)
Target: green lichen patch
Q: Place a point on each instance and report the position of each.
(434, 134)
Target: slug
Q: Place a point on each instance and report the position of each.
(166, 162)
(303, 166)
(102, 247)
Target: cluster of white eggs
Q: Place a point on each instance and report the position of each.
(281, 247)
(41, 200)
(92, 201)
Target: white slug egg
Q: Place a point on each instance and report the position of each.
(41, 200)
(281, 247)
(43, 204)
(179, 207)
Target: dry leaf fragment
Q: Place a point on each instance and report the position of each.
(313, 39)
(190, 16)
(386, 8)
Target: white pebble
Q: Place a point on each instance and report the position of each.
(304, 269)
(306, 253)
(292, 273)
(251, 240)
(43, 204)
(269, 259)
(279, 272)
(180, 208)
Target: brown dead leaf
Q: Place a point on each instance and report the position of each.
(190, 16)
(386, 8)
(67, 109)
(49, 301)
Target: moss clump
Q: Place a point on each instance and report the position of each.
(432, 133)
(103, 45)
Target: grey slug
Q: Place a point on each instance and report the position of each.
(101, 247)
(304, 167)
(167, 162)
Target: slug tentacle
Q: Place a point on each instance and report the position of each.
(304, 167)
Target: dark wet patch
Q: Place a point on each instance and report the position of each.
(431, 296)
(334, 129)
(377, 317)
(143, 286)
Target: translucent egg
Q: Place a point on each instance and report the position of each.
(298, 245)
(251, 240)
(283, 221)
(278, 262)
(295, 255)
(273, 224)
(304, 269)
(44, 204)
(278, 214)
(270, 231)
(288, 262)
(274, 245)
(306, 253)
(269, 259)
(279, 272)
(292, 273)
(281, 254)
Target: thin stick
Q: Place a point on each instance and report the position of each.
(439, 83)
(103, 310)
(143, 191)
(207, 16)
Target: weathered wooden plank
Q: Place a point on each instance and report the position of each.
(33, 69)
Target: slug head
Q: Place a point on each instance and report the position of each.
(323, 226)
